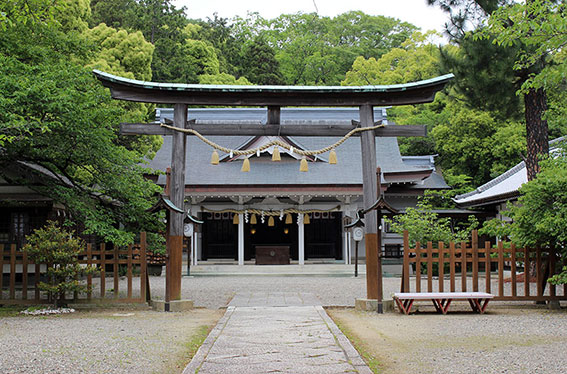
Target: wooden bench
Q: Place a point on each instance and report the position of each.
(442, 300)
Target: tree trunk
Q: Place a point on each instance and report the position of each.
(535, 102)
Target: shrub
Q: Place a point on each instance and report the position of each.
(56, 247)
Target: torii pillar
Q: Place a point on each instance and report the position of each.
(177, 196)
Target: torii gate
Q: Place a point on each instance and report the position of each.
(273, 97)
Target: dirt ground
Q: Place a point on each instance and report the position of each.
(103, 341)
(505, 340)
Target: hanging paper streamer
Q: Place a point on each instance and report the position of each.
(245, 166)
(303, 165)
(215, 158)
(276, 154)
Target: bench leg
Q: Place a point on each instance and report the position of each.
(442, 305)
(474, 305)
(479, 305)
(405, 306)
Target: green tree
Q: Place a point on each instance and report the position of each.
(534, 98)
(223, 78)
(424, 225)
(117, 14)
(475, 143)
(57, 116)
(120, 52)
(417, 58)
(58, 249)
(320, 50)
(540, 25)
(259, 64)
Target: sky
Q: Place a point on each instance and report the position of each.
(416, 12)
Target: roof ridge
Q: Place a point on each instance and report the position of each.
(507, 174)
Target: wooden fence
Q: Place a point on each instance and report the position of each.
(17, 288)
(466, 267)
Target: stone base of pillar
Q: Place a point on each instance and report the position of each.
(172, 306)
(371, 305)
(554, 305)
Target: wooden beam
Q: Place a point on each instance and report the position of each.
(286, 129)
(369, 189)
(171, 93)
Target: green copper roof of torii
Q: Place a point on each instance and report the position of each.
(135, 90)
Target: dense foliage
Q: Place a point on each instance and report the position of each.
(424, 225)
(55, 115)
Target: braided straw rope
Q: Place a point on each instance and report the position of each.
(271, 212)
(273, 142)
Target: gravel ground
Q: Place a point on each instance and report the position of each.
(506, 340)
(115, 341)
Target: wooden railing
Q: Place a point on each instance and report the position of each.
(467, 267)
(16, 288)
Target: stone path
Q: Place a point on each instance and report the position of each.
(281, 332)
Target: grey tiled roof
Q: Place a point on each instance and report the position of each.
(199, 170)
(503, 187)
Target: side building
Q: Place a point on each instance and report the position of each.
(493, 196)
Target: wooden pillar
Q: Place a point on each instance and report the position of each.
(379, 232)
(177, 196)
(345, 247)
(301, 241)
(240, 239)
(369, 188)
(273, 115)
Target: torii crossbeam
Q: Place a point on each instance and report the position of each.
(273, 97)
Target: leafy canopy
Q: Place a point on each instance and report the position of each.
(54, 114)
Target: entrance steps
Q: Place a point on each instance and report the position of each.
(331, 270)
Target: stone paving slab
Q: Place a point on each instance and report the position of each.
(274, 299)
(276, 339)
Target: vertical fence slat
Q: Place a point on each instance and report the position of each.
(452, 265)
(441, 247)
(527, 274)
(429, 267)
(115, 271)
(417, 267)
(13, 271)
(36, 281)
(464, 266)
(102, 270)
(513, 269)
(474, 249)
(488, 266)
(406, 269)
(89, 276)
(24, 275)
(143, 266)
(552, 287)
(500, 268)
(539, 274)
(1, 269)
(129, 273)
